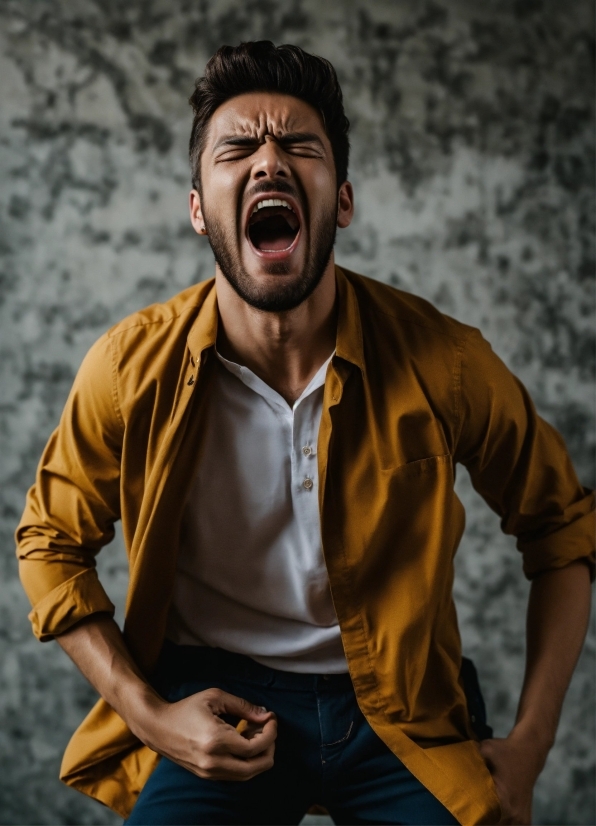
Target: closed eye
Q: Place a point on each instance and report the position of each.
(304, 145)
(234, 148)
(305, 150)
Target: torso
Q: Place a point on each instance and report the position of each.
(251, 576)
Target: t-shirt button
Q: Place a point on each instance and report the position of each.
(308, 483)
(307, 450)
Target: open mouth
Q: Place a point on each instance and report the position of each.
(273, 225)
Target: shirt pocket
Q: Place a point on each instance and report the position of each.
(421, 467)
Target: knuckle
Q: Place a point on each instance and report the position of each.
(209, 744)
(207, 765)
(213, 694)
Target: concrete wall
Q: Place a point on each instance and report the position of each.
(473, 169)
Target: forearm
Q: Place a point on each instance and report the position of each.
(558, 612)
(191, 732)
(98, 649)
(558, 615)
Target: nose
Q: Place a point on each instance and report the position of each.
(270, 161)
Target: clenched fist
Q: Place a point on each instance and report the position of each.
(193, 734)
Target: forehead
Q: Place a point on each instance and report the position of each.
(259, 113)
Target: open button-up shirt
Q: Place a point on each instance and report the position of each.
(251, 576)
(409, 393)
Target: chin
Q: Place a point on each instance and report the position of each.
(275, 269)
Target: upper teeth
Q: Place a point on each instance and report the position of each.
(271, 202)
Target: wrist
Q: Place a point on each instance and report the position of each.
(535, 736)
(144, 714)
(139, 705)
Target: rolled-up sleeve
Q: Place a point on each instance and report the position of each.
(519, 464)
(71, 509)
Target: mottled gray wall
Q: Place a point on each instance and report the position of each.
(473, 169)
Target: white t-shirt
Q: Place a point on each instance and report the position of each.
(251, 576)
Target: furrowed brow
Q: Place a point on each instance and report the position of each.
(237, 140)
(288, 138)
(300, 137)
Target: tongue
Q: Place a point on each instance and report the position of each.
(272, 234)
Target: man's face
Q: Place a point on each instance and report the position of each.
(269, 199)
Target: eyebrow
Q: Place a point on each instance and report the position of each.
(288, 138)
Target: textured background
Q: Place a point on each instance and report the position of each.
(473, 165)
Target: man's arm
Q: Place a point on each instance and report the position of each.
(190, 732)
(519, 464)
(558, 614)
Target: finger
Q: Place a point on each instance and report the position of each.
(256, 744)
(221, 702)
(228, 767)
(487, 752)
(248, 730)
(261, 736)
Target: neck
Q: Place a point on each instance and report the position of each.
(284, 349)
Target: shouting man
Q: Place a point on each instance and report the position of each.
(280, 444)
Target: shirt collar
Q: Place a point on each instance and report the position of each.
(251, 380)
(203, 333)
(348, 343)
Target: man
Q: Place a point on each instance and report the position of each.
(279, 444)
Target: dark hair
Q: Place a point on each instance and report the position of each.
(262, 67)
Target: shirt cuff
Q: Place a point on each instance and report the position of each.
(571, 543)
(69, 603)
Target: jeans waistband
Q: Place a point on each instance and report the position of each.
(181, 663)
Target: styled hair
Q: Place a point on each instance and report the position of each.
(260, 66)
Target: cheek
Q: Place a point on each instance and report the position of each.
(323, 178)
(319, 183)
(221, 195)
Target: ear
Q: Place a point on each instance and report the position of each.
(345, 205)
(196, 213)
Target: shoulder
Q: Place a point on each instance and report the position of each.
(394, 313)
(165, 316)
(147, 339)
(145, 348)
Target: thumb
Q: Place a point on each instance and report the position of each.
(239, 707)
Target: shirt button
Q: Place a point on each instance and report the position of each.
(307, 483)
(307, 450)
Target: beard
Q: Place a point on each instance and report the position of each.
(284, 296)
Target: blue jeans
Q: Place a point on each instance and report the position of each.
(325, 753)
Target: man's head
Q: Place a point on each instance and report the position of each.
(269, 156)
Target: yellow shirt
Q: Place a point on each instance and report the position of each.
(409, 393)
